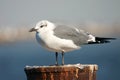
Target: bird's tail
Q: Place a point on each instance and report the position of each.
(100, 40)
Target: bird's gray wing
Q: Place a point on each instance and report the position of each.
(66, 32)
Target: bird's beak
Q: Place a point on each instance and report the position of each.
(32, 29)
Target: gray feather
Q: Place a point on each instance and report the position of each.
(70, 33)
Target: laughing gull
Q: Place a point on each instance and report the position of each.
(63, 38)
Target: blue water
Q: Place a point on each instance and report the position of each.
(14, 57)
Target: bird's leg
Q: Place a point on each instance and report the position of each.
(62, 58)
(56, 55)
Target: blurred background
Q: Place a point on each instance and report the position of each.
(19, 48)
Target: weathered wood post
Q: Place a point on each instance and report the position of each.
(66, 72)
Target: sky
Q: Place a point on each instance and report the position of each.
(28, 12)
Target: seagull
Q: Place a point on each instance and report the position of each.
(61, 38)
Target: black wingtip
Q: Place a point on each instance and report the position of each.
(101, 40)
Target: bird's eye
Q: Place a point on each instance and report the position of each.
(42, 26)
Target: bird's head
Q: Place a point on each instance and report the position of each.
(42, 26)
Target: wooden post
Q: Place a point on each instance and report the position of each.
(66, 72)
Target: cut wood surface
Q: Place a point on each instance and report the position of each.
(66, 72)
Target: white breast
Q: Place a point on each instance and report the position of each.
(53, 43)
